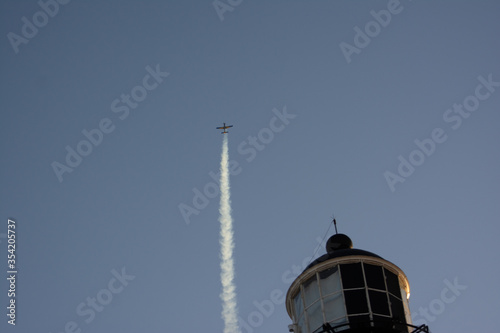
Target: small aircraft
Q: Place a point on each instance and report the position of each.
(224, 128)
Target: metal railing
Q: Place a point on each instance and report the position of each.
(374, 326)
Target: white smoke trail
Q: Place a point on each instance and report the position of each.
(228, 295)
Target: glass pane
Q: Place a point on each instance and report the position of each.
(352, 276)
(359, 321)
(398, 312)
(392, 283)
(329, 281)
(299, 305)
(378, 302)
(314, 316)
(334, 307)
(379, 321)
(374, 276)
(355, 301)
(311, 291)
(339, 324)
(302, 325)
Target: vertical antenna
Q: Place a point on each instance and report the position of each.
(335, 224)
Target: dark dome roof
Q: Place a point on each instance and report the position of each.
(338, 242)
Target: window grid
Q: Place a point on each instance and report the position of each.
(366, 291)
(398, 297)
(321, 298)
(387, 292)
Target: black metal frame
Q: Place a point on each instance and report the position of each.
(327, 328)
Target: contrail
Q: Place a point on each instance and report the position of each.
(228, 295)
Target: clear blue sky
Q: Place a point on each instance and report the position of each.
(355, 105)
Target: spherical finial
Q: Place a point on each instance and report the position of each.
(338, 242)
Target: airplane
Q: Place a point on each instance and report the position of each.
(224, 128)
